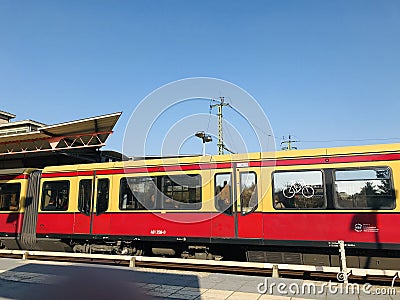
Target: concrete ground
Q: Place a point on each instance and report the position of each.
(58, 280)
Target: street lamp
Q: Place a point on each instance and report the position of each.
(205, 138)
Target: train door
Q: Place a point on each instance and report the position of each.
(223, 222)
(100, 221)
(93, 202)
(85, 204)
(247, 208)
(236, 201)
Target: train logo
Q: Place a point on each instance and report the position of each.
(358, 227)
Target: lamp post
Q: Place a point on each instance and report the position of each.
(205, 138)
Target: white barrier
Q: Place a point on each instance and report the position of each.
(249, 265)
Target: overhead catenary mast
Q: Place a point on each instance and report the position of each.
(220, 104)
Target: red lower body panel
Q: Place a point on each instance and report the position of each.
(350, 227)
(158, 224)
(357, 227)
(11, 223)
(55, 223)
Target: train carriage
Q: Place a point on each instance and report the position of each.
(287, 206)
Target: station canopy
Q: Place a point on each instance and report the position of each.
(70, 142)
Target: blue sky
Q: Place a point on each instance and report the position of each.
(323, 71)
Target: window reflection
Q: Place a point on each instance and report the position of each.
(301, 190)
(181, 191)
(9, 196)
(85, 196)
(174, 192)
(223, 193)
(55, 195)
(137, 193)
(103, 191)
(365, 189)
(248, 192)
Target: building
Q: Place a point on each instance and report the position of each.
(8, 128)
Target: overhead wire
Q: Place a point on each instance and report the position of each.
(231, 138)
(348, 140)
(209, 117)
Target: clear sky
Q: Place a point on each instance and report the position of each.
(323, 71)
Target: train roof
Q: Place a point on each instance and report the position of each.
(198, 159)
(15, 171)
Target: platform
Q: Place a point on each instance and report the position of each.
(21, 279)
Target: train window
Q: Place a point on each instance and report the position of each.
(137, 193)
(9, 196)
(55, 195)
(85, 196)
(248, 192)
(299, 190)
(103, 192)
(364, 189)
(223, 193)
(181, 192)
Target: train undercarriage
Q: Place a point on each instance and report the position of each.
(317, 256)
(146, 248)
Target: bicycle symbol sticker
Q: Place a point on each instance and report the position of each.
(297, 187)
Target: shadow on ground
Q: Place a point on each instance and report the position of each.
(60, 282)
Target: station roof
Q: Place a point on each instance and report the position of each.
(104, 123)
(89, 133)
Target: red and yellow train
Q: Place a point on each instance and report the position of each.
(284, 207)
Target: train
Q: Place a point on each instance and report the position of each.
(281, 207)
